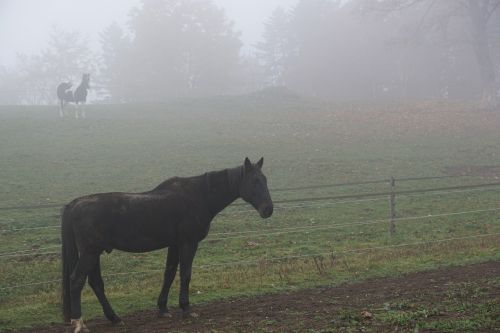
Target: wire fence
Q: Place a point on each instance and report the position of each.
(292, 204)
(274, 259)
(278, 208)
(301, 201)
(385, 193)
(323, 204)
(314, 187)
(372, 182)
(269, 232)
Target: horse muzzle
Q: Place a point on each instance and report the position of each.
(266, 211)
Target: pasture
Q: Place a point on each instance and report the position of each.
(46, 161)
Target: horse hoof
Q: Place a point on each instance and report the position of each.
(79, 326)
(117, 322)
(164, 315)
(187, 315)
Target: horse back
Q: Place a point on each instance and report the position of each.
(63, 92)
(134, 222)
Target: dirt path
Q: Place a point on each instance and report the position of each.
(378, 305)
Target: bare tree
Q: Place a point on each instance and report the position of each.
(10, 83)
(182, 48)
(273, 49)
(65, 58)
(115, 62)
(479, 14)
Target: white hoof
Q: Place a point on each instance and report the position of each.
(190, 314)
(79, 326)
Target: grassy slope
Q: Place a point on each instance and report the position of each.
(134, 147)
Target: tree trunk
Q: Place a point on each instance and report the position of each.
(479, 19)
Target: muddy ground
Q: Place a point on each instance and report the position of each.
(445, 300)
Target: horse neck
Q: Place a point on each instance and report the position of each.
(83, 85)
(223, 188)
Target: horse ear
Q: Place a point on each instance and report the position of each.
(260, 162)
(247, 164)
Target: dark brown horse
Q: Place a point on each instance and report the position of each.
(176, 214)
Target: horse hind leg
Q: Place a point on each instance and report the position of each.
(97, 285)
(84, 266)
(169, 275)
(79, 326)
(64, 109)
(61, 108)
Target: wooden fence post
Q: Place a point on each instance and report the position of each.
(392, 207)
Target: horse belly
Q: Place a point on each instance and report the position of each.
(142, 236)
(139, 246)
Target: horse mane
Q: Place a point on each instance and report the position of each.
(232, 175)
(166, 184)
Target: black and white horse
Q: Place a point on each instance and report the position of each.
(79, 97)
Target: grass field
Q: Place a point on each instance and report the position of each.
(47, 160)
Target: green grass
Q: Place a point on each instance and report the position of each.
(466, 307)
(134, 147)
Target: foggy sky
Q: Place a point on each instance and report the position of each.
(26, 24)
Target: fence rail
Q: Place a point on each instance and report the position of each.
(349, 196)
(305, 202)
(369, 182)
(367, 197)
(385, 193)
(274, 259)
(269, 232)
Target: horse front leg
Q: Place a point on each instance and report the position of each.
(186, 255)
(83, 111)
(168, 278)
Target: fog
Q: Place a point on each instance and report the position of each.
(32, 21)
(358, 140)
(153, 50)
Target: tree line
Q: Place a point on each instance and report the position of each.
(356, 50)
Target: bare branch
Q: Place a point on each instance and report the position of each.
(422, 19)
(495, 6)
(388, 6)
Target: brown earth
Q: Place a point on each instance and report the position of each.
(356, 307)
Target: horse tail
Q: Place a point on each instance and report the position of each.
(69, 260)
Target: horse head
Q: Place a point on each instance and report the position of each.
(253, 188)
